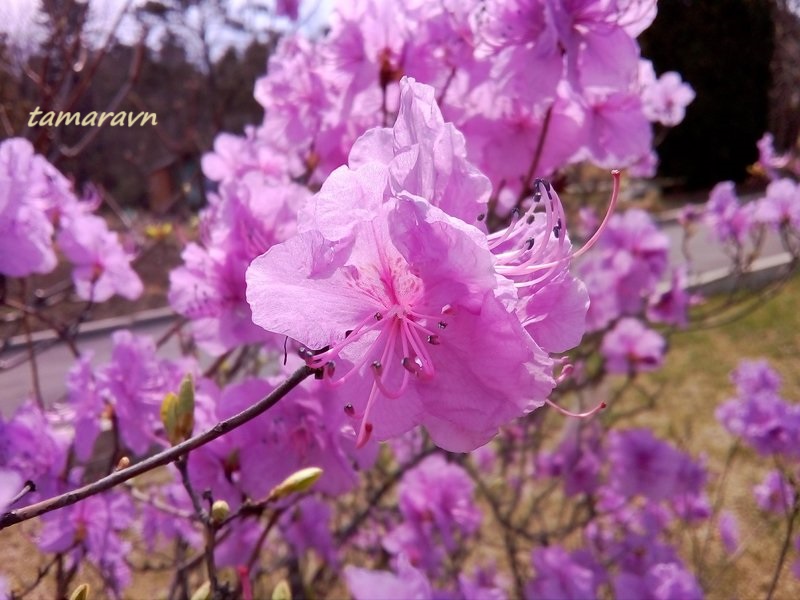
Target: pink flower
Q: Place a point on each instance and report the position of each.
(665, 99)
(631, 348)
(775, 494)
(10, 485)
(407, 584)
(781, 206)
(397, 306)
(101, 266)
(26, 233)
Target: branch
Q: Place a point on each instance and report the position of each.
(158, 460)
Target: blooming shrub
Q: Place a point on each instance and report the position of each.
(394, 227)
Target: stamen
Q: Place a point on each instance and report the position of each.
(412, 365)
(442, 325)
(582, 415)
(349, 410)
(378, 316)
(330, 367)
(377, 366)
(433, 340)
(481, 216)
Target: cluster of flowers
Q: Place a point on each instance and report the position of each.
(641, 490)
(38, 208)
(360, 221)
(770, 425)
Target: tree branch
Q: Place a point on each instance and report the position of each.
(158, 460)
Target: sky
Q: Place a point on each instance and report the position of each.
(20, 22)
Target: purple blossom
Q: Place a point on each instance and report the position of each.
(672, 306)
(630, 347)
(101, 266)
(774, 494)
(729, 531)
(758, 414)
(26, 232)
(643, 464)
(437, 504)
(249, 216)
(95, 524)
(664, 581)
(781, 205)
(35, 448)
(307, 526)
(407, 583)
(625, 267)
(769, 160)
(484, 584)
(415, 287)
(755, 377)
(665, 99)
(558, 575)
(10, 485)
(134, 384)
(730, 222)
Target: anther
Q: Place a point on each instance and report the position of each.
(433, 340)
(377, 366)
(556, 231)
(537, 197)
(529, 243)
(442, 325)
(378, 316)
(447, 309)
(349, 410)
(347, 333)
(411, 365)
(330, 367)
(481, 216)
(531, 219)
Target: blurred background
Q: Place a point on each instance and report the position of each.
(194, 64)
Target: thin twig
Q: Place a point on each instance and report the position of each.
(158, 460)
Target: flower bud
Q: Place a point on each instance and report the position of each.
(297, 482)
(203, 592)
(81, 592)
(219, 511)
(282, 591)
(177, 412)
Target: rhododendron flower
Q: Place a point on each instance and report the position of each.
(664, 581)
(559, 576)
(399, 304)
(26, 244)
(643, 464)
(774, 494)
(436, 500)
(758, 414)
(672, 305)
(94, 526)
(768, 159)
(727, 218)
(407, 584)
(665, 99)
(101, 265)
(630, 347)
(10, 485)
(781, 205)
(729, 531)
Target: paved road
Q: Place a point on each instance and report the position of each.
(15, 383)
